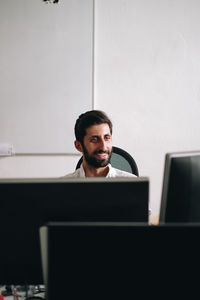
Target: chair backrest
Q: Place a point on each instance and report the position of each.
(120, 159)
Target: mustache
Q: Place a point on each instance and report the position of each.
(102, 152)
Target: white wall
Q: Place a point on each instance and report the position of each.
(34, 166)
(147, 78)
(46, 53)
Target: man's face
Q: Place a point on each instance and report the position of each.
(97, 145)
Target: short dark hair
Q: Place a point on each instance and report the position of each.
(87, 119)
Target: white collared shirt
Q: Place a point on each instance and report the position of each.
(113, 172)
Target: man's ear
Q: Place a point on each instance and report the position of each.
(78, 146)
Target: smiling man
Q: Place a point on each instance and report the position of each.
(93, 132)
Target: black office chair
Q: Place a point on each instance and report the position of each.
(120, 159)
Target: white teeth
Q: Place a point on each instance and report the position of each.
(102, 155)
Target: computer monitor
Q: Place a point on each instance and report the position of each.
(26, 204)
(180, 201)
(119, 260)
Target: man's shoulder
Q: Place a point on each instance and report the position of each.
(72, 175)
(114, 172)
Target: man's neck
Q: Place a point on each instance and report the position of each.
(95, 172)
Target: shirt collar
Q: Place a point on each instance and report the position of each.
(82, 172)
(111, 171)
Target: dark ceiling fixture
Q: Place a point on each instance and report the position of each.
(51, 1)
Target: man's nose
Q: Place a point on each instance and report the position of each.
(103, 144)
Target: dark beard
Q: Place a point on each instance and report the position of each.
(93, 161)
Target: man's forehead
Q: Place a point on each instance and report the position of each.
(99, 129)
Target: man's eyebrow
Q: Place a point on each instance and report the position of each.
(97, 136)
(93, 136)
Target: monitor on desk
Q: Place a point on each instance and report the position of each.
(116, 260)
(26, 204)
(180, 200)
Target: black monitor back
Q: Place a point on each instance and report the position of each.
(27, 204)
(120, 260)
(180, 200)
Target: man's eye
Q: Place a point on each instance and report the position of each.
(108, 137)
(94, 139)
